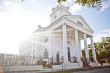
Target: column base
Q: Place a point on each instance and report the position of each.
(80, 63)
(65, 64)
(87, 61)
(68, 65)
(95, 63)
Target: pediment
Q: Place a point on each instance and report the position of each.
(76, 22)
(79, 21)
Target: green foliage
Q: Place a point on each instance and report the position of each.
(99, 46)
(102, 49)
(59, 1)
(88, 3)
(103, 54)
(83, 55)
(89, 45)
(105, 43)
(90, 55)
(46, 68)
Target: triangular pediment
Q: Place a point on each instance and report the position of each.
(69, 21)
(79, 21)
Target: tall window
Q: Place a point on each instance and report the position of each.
(57, 57)
(69, 54)
(45, 55)
(68, 42)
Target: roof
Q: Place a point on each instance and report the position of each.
(59, 19)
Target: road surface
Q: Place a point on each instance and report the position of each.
(100, 70)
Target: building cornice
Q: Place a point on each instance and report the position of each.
(60, 19)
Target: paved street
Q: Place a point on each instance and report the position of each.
(103, 70)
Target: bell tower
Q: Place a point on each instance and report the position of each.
(58, 12)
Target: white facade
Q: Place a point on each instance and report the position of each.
(61, 37)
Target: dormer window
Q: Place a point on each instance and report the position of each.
(46, 39)
(79, 23)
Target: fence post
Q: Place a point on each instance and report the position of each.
(52, 64)
(62, 63)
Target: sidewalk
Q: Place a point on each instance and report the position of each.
(59, 70)
(74, 69)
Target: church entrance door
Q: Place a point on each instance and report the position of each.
(69, 54)
(57, 56)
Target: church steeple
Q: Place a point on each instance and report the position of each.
(58, 12)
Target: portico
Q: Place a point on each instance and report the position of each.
(78, 35)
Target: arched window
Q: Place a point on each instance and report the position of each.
(57, 57)
(68, 42)
(68, 49)
(34, 53)
(69, 57)
(45, 55)
(79, 23)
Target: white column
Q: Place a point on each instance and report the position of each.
(80, 48)
(50, 46)
(93, 49)
(77, 45)
(65, 52)
(86, 48)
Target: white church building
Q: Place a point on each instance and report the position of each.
(60, 40)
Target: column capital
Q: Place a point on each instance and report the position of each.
(64, 24)
(76, 30)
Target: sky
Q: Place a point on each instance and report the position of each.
(20, 19)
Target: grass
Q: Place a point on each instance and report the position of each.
(46, 68)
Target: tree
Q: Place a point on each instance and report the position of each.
(83, 55)
(89, 45)
(102, 55)
(90, 55)
(98, 46)
(106, 42)
(103, 41)
(88, 3)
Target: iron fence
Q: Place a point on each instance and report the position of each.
(30, 60)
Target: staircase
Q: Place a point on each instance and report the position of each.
(86, 65)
